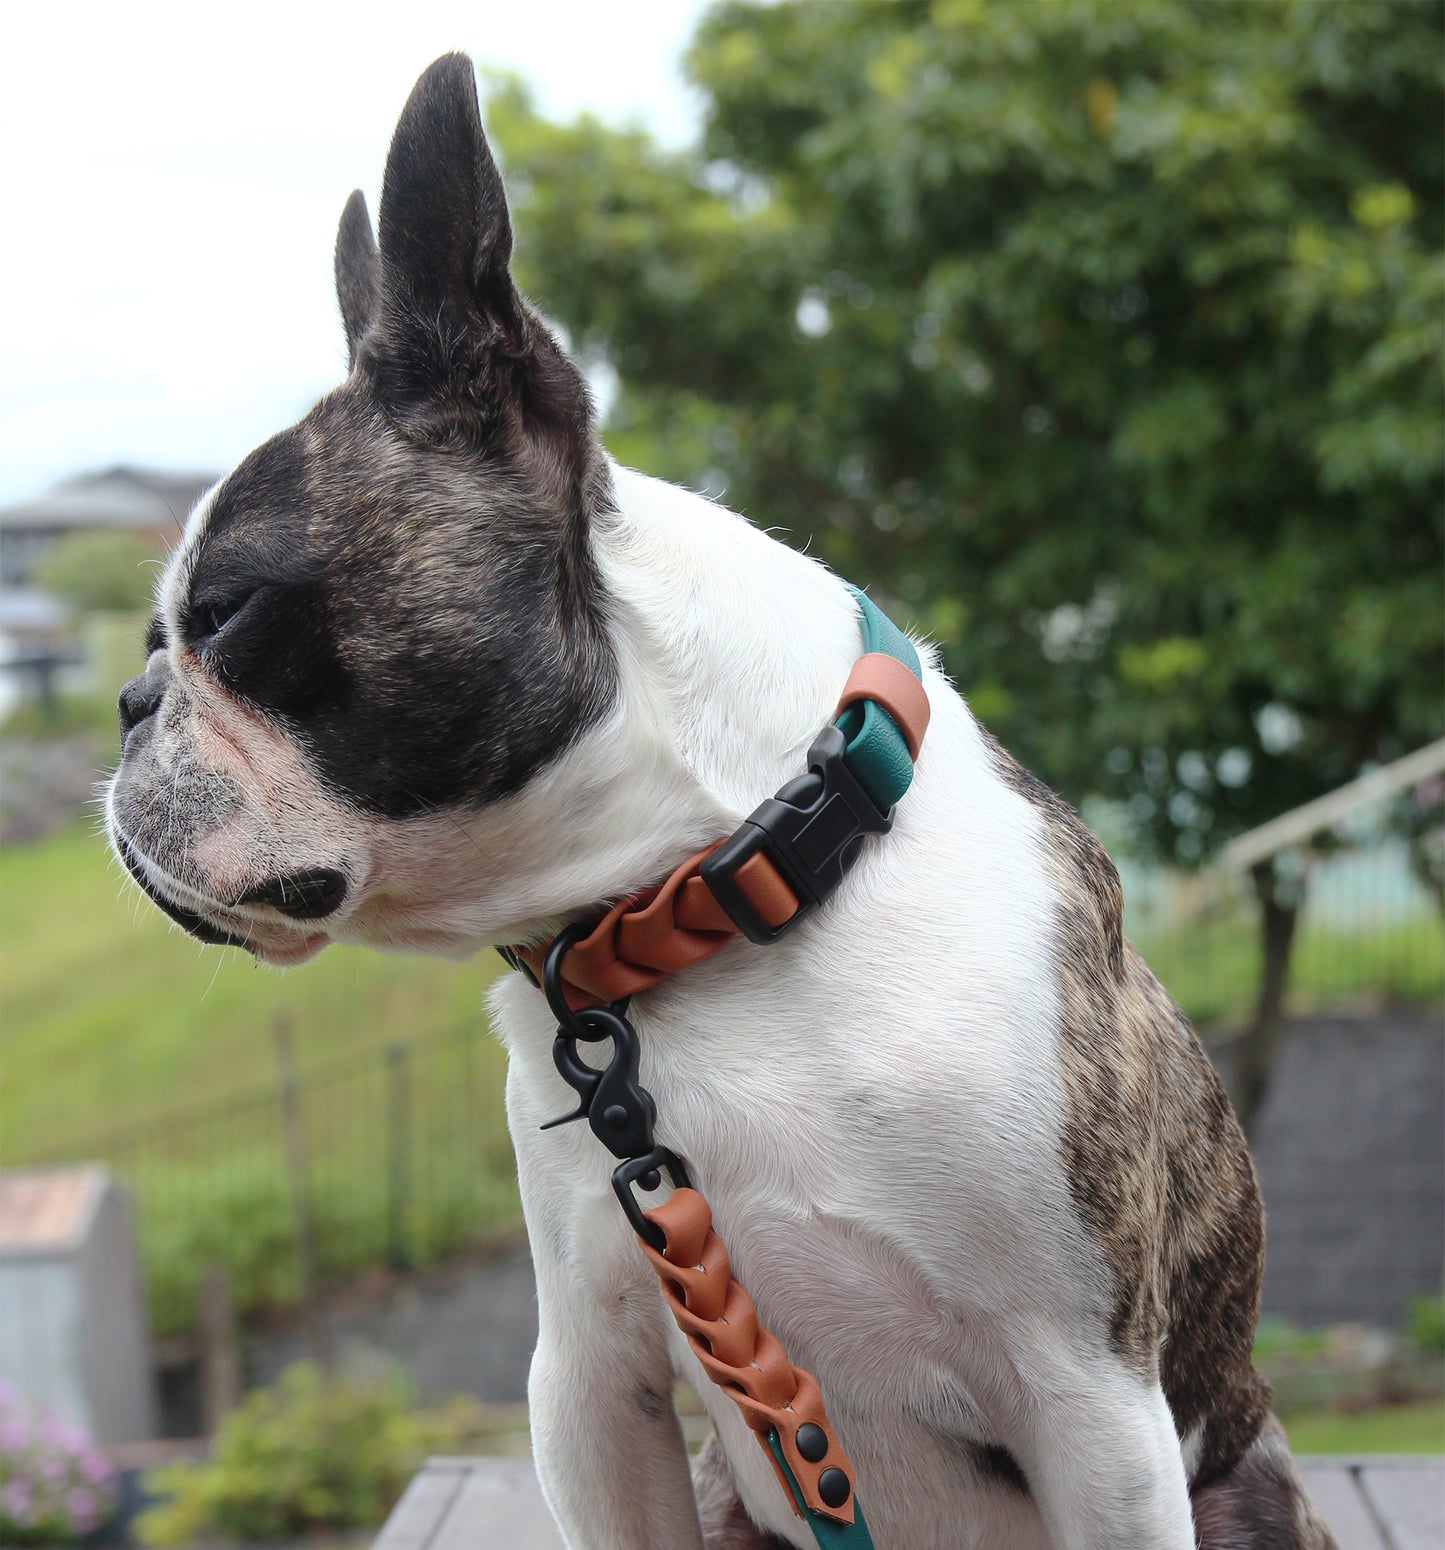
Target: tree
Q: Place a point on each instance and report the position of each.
(1104, 338)
(100, 571)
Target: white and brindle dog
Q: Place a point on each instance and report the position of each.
(428, 671)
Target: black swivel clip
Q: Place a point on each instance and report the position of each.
(618, 1109)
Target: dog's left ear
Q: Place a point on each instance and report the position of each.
(451, 329)
(357, 271)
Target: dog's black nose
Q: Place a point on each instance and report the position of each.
(139, 701)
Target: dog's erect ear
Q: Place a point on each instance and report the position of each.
(451, 318)
(358, 271)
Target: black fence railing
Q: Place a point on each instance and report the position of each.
(394, 1156)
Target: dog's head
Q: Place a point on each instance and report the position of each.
(386, 617)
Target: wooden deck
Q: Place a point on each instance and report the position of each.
(1371, 1503)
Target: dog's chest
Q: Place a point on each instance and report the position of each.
(885, 1177)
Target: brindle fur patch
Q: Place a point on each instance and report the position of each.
(1157, 1163)
(1261, 1504)
(725, 1523)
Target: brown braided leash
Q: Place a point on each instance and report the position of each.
(744, 1359)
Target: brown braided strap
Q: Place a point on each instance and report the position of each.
(661, 930)
(743, 1358)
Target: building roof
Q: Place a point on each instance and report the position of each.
(134, 499)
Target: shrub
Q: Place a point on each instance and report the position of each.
(1427, 1324)
(55, 1485)
(312, 1453)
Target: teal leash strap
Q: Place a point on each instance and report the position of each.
(828, 1532)
(876, 753)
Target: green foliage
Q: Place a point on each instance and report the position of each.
(1103, 340)
(312, 1453)
(224, 1209)
(100, 572)
(1276, 1336)
(1427, 1325)
(97, 984)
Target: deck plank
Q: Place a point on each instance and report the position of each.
(502, 1497)
(423, 1506)
(1335, 1491)
(466, 1503)
(1409, 1502)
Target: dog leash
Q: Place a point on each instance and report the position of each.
(763, 880)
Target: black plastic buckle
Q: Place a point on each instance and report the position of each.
(812, 832)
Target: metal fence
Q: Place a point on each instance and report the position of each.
(1365, 866)
(397, 1156)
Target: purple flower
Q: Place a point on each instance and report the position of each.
(80, 1505)
(95, 1467)
(15, 1500)
(14, 1435)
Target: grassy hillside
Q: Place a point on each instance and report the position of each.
(111, 1015)
(125, 1040)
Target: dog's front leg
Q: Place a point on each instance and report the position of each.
(605, 1437)
(1103, 1462)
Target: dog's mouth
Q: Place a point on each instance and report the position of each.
(197, 925)
(302, 896)
(309, 895)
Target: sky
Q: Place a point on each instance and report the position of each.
(173, 175)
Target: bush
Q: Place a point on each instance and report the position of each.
(240, 1215)
(55, 1485)
(313, 1453)
(1426, 1324)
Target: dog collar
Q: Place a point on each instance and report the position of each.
(787, 856)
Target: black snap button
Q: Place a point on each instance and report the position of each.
(615, 1116)
(812, 1441)
(833, 1487)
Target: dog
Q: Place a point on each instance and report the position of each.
(429, 671)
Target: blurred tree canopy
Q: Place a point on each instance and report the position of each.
(1102, 339)
(101, 571)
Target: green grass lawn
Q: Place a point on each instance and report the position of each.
(111, 1015)
(1416, 1428)
(127, 1041)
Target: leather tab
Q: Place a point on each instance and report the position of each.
(889, 683)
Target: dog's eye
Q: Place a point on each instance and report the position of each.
(211, 617)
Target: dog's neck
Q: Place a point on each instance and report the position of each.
(731, 650)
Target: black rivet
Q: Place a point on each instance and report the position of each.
(833, 1487)
(650, 1180)
(615, 1116)
(812, 1442)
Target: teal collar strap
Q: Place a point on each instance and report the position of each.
(878, 751)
